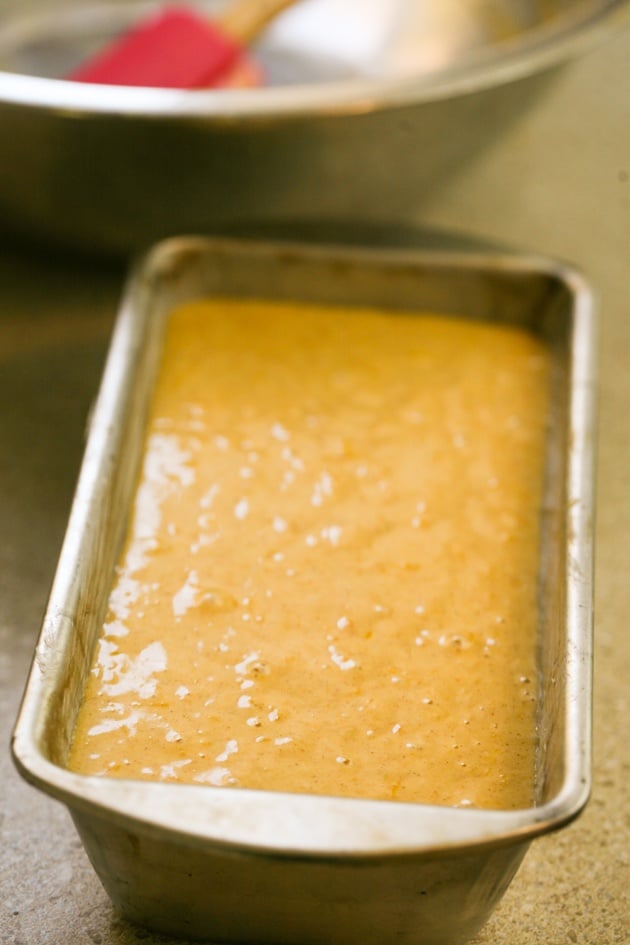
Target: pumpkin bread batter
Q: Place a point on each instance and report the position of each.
(330, 579)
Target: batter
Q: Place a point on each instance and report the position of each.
(330, 579)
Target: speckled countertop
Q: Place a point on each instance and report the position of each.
(558, 181)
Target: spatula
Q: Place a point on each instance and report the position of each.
(179, 48)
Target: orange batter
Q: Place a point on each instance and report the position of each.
(330, 579)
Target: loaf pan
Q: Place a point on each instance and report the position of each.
(234, 865)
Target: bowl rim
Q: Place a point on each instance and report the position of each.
(538, 49)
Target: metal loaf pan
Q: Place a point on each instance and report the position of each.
(248, 866)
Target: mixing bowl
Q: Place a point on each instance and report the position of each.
(369, 104)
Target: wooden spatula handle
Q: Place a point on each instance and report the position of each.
(245, 19)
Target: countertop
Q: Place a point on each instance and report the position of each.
(556, 181)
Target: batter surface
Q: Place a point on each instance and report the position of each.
(330, 579)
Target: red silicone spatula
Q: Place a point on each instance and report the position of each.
(179, 48)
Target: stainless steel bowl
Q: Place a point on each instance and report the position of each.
(358, 119)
